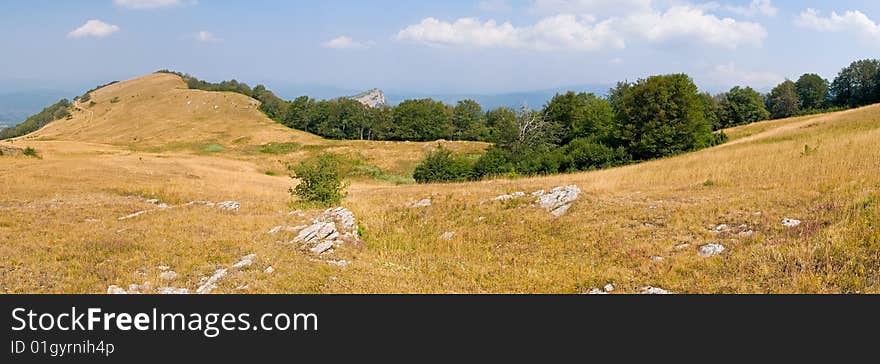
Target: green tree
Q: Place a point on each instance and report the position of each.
(579, 115)
(298, 114)
(421, 120)
(442, 166)
(710, 109)
(783, 101)
(659, 116)
(320, 180)
(500, 122)
(857, 84)
(812, 90)
(741, 106)
(469, 121)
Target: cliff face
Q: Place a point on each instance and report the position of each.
(372, 98)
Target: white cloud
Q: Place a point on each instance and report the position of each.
(755, 8)
(152, 4)
(591, 7)
(687, 23)
(730, 74)
(561, 32)
(207, 37)
(851, 21)
(496, 6)
(345, 42)
(93, 28)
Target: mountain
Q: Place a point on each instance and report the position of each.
(15, 107)
(371, 98)
(533, 99)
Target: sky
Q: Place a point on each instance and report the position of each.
(457, 46)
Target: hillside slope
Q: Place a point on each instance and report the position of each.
(71, 222)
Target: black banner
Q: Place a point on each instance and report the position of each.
(243, 328)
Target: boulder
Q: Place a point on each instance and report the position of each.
(711, 250)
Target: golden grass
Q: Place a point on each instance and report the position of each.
(624, 217)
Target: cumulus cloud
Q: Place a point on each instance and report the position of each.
(93, 28)
(591, 7)
(687, 23)
(730, 74)
(853, 21)
(345, 42)
(553, 33)
(755, 8)
(205, 36)
(152, 4)
(683, 23)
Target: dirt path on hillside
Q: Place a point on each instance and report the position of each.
(791, 126)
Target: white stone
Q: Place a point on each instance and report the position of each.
(275, 230)
(163, 267)
(211, 283)
(791, 223)
(322, 247)
(448, 235)
(511, 196)
(682, 246)
(243, 263)
(721, 228)
(558, 198)
(269, 270)
(422, 203)
(596, 291)
(653, 290)
(656, 259)
(746, 234)
(115, 290)
(608, 288)
(561, 210)
(169, 275)
(710, 250)
(338, 263)
(229, 206)
(131, 216)
(172, 290)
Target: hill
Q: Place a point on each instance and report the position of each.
(120, 195)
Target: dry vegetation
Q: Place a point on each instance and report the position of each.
(59, 231)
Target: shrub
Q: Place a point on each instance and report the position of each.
(582, 155)
(30, 152)
(494, 163)
(442, 166)
(279, 148)
(114, 100)
(213, 148)
(320, 180)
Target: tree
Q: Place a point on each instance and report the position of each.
(528, 131)
(500, 122)
(741, 106)
(421, 120)
(442, 166)
(812, 90)
(659, 116)
(580, 115)
(299, 113)
(783, 101)
(469, 121)
(857, 84)
(710, 109)
(320, 180)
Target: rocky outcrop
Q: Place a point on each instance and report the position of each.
(334, 228)
(558, 201)
(371, 98)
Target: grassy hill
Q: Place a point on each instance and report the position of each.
(635, 226)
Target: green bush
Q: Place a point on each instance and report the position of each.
(30, 152)
(495, 162)
(279, 148)
(320, 180)
(442, 166)
(584, 155)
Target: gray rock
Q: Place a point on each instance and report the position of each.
(653, 290)
(447, 235)
(511, 196)
(558, 198)
(656, 259)
(423, 203)
(682, 246)
(168, 275)
(115, 290)
(596, 291)
(721, 228)
(320, 248)
(746, 234)
(229, 206)
(608, 288)
(171, 290)
(561, 210)
(791, 223)
(269, 270)
(275, 230)
(132, 215)
(710, 250)
(211, 283)
(338, 263)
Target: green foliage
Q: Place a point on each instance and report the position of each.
(495, 162)
(59, 110)
(30, 152)
(469, 121)
(442, 166)
(812, 91)
(857, 84)
(583, 154)
(579, 115)
(320, 180)
(741, 106)
(783, 101)
(710, 110)
(279, 148)
(659, 116)
(213, 148)
(114, 100)
(421, 120)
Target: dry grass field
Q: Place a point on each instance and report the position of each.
(635, 226)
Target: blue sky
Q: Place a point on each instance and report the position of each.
(488, 46)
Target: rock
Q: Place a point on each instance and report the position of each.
(596, 291)
(275, 230)
(791, 223)
(92, 220)
(171, 290)
(115, 290)
(269, 270)
(721, 228)
(131, 216)
(242, 264)
(153, 201)
(653, 290)
(134, 289)
(510, 196)
(163, 267)
(539, 193)
(423, 203)
(322, 247)
(746, 234)
(229, 206)
(169, 275)
(211, 283)
(710, 250)
(338, 263)
(243, 287)
(559, 197)
(163, 206)
(656, 259)
(448, 235)
(608, 288)
(682, 246)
